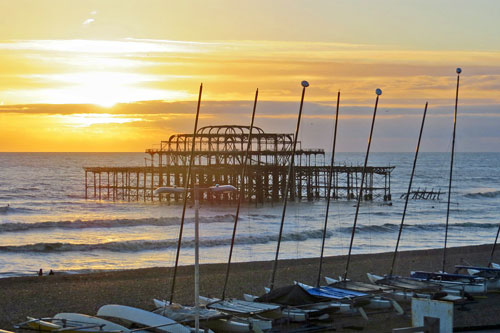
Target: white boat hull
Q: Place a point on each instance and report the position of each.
(142, 317)
(100, 324)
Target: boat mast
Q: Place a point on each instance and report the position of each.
(493, 248)
(408, 192)
(241, 194)
(305, 84)
(459, 70)
(186, 186)
(360, 194)
(329, 188)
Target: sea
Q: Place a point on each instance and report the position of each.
(50, 225)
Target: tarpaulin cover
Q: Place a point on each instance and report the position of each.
(290, 295)
(334, 293)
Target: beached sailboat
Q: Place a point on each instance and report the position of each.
(142, 318)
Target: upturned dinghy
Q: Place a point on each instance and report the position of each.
(141, 317)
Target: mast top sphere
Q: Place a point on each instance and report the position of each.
(459, 70)
(378, 91)
(304, 84)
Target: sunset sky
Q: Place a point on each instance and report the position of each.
(120, 75)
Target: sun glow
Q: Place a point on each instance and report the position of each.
(100, 88)
(89, 119)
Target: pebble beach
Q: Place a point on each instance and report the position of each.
(84, 293)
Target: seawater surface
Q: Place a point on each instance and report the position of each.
(50, 225)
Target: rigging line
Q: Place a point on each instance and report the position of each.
(240, 196)
(451, 170)
(409, 190)
(360, 194)
(187, 184)
(305, 84)
(329, 187)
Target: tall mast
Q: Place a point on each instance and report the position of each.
(241, 194)
(451, 170)
(360, 194)
(186, 185)
(305, 84)
(329, 188)
(408, 192)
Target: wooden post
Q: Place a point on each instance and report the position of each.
(99, 186)
(86, 185)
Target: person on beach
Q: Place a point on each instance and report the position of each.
(40, 272)
(51, 272)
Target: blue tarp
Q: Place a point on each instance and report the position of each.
(335, 293)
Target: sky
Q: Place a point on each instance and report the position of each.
(123, 75)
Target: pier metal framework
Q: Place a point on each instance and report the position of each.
(218, 157)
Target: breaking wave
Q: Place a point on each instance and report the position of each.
(393, 227)
(146, 245)
(480, 195)
(110, 223)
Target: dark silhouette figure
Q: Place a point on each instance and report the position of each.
(40, 272)
(51, 272)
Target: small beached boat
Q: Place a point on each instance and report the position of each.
(141, 317)
(211, 319)
(419, 288)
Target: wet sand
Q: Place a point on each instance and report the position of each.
(85, 293)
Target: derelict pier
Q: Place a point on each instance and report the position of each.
(218, 159)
